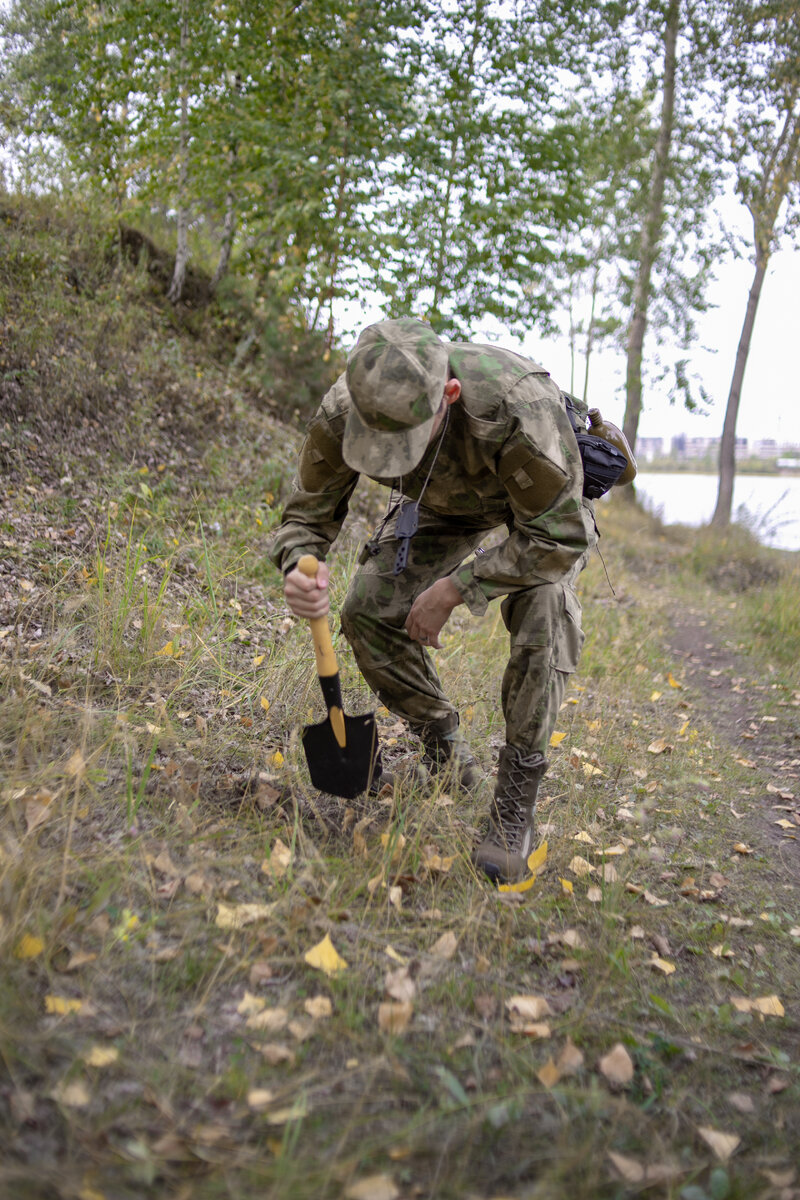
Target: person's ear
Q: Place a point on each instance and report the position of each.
(452, 391)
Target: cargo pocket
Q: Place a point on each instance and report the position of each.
(569, 636)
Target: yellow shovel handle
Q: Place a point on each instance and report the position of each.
(320, 631)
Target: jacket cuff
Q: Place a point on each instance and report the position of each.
(470, 590)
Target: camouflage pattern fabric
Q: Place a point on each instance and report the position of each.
(543, 621)
(508, 458)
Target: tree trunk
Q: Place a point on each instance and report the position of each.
(182, 252)
(727, 449)
(651, 231)
(226, 246)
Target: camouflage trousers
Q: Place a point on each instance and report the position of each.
(543, 621)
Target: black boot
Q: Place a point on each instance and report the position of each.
(503, 853)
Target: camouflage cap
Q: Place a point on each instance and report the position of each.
(395, 375)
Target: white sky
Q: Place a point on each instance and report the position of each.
(770, 401)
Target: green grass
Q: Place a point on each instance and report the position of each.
(145, 790)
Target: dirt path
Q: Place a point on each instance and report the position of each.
(756, 720)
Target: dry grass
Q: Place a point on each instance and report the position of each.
(153, 691)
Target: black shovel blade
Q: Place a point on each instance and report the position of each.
(341, 771)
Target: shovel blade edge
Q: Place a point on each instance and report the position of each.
(342, 772)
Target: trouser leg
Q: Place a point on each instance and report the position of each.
(546, 640)
(399, 670)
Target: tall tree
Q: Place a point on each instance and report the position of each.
(765, 143)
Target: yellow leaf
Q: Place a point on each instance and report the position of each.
(269, 1019)
(62, 1005)
(656, 696)
(101, 1056)
(257, 661)
(661, 964)
(324, 957)
(673, 682)
(264, 702)
(167, 651)
(522, 885)
(557, 738)
(566, 886)
(29, 946)
(659, 746)
(537, 858)
(741, 848)
(277, 759)
(683, 728)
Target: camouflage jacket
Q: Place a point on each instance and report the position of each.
(508, 457)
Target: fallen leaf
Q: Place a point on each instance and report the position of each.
(274, 1053)
(445, 946)
(767, 1006)
(76, 765)
(318, 1007)
(61, 1005)
(279, 861)
(585, 837)
(523, 1009)
(557, 738)
(660, 746)
(236, 916)
(580, 867)
(260, 1098)
(269, 1019)
(72, 1095)
(283, 1116)
(673, 682)
(537, 858)
(399, 985)
(570, 1060)
(250, 1004)
(741, 1102)
(661, 964)
(742, 848)
(394, 1016)
(28, 946)
(723, 1144)
(549, 1074)
(373, 1187)
(101, 1056)
(617, 1066)
(323, 957)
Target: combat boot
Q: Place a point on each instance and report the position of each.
(503, 853)
(446, 754)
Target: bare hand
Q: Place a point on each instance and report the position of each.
(430, 611)
(307, 596)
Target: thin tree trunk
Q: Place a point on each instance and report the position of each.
(779, 171)
(226, 246)
(727, 449)
(182, 252)
(651, 230)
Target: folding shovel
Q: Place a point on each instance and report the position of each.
(340, 750)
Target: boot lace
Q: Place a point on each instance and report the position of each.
(509, 810)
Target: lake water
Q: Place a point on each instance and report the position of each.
(769, 504)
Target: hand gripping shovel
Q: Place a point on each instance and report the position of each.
(340, 750)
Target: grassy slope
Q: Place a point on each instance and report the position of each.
(153, 689)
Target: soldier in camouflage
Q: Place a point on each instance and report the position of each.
(470, 438)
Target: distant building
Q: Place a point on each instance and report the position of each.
(648, 448)
(764, 448)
